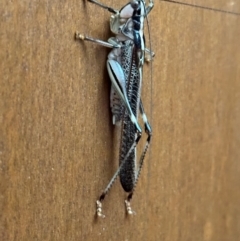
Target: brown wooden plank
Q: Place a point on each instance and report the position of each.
(228, 6)
(57, 141)
(197, 94)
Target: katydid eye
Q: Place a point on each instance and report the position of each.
(134, 4)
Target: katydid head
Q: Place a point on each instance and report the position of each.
(127, 18)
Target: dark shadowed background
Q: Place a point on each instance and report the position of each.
(57, 146)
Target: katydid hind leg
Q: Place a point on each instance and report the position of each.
(118, 80)
(109, 186)
(148, 131)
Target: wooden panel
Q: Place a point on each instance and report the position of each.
(57, 140)
(230, 6)
(195, 168)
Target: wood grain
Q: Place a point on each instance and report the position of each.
(227, 6)
(57, 142)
